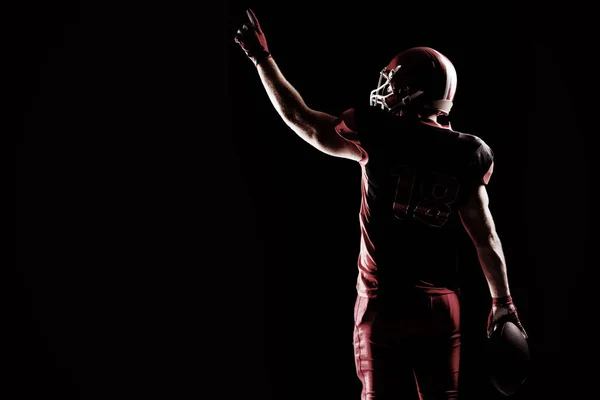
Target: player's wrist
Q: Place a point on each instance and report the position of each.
(263, 57)
(502, 301)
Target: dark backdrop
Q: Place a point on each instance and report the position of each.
(174, 239)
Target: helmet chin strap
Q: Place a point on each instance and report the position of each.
(407, 100)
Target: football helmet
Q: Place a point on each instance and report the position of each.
(419, 76)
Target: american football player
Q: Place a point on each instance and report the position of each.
(422, 181)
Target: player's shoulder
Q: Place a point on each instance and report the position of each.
(471, 138)
(478, 152)
(476, 143)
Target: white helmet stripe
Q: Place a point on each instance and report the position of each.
(451, 77)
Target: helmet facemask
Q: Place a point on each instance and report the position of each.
(388, 96)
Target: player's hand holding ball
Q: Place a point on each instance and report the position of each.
(508, 349)
(503, 309)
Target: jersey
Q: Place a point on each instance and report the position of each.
(415, 177)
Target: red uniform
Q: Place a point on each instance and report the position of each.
(415, 176)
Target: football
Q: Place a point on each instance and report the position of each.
(508, 358)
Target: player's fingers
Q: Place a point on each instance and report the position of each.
(245, 27)
(252, 18)
(490, 330)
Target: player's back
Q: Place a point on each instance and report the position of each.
(415, 179)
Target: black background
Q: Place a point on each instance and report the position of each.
(174, 239)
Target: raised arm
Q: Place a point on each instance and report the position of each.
(315, 127)
(477, 219)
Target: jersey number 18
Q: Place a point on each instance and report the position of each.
(425, 197)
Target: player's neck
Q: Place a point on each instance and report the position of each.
(430, 119)
(433, 121)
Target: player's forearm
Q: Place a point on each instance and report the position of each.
(493, 264)
(284, 97)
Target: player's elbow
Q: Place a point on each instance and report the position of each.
(303, 121)
(303, 129)
(291, 116)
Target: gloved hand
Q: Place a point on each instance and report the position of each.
(502, 310)
(252, 40)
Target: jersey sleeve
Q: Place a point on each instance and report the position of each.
(484, 163)
(347, 128)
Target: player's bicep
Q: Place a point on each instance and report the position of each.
(329, 136)
(477, 218)
(330, 142)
